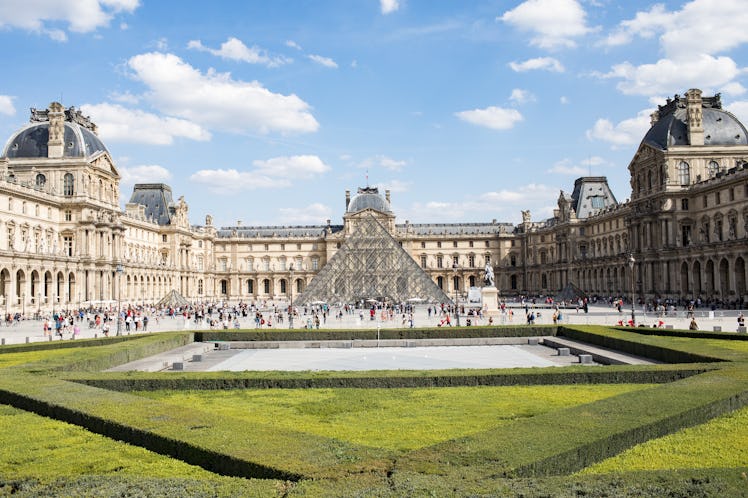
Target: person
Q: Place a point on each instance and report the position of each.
(693, 325)
(741, 320)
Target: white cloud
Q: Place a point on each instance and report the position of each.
(544, 63)
(234, 49)
(278, 172)
(216, 100)
(152, 173)
(382, 162)
(125, 98)
(739, 109)
(293, 44)
(389, 6)
(567, 166)
(627, 132)
(556, 23)
(486, 205)
(313, 214)
(6, 105)
(496, 118)
(323, 61)
(80, 16)
(699, 71)
(119, 124)
(564, 99)
(733, 88)
(698, 27)
(292, 167)
(395, 185)
(520, 96)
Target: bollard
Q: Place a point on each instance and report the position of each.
(27, 340)
(3, 340)
(563, 351)
(50, 338)
(585, 359)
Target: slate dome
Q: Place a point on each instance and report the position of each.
(368, 198)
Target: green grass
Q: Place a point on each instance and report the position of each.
(393, 419)
(719, 443)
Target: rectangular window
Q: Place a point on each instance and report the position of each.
(267, 247)
(423, 261)
(454, 243)
(732, 194)
(471, 261)
(470, 244)
(315, 264)
(488, 244)
(200, 263)
(439, 244)
(684, 204)
(686, 235)
(488, 259)
(717, 198)
(706, 202)
(440, 262)
(68, 245)
(222, 263)
(164, 238)
(283, 247)
(68, 215)
(455, 261)
(423, 245)
(298, 247)
(581, 230)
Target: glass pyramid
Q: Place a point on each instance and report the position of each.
(371, 265)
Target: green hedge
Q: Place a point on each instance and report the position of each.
(369, 334)
(623, 340)
(143, 381)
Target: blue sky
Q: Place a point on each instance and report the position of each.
(267, 111)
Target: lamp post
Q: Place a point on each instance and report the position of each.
(290, 295)
(120, 269)
(455, 283)
(632, 261)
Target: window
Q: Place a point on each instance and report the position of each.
(488, 259)
(266, 264)
(200, 286)
(250, 286)
(222, 264)
(224, 287)
(686, 235)
(455, 261)
(454, 243)
(423, 245)
(40, 181)
(512, 244)
(598, 201)
(298, 247)
(717, 198)
(68, 215)
(439, 244)
(23, 207)
(471, 261)
(164, 237)
(542, 238)
(488, 244)
(513, 260)
(581, 230)
(732, 194)
(712, 169)
(315, 264)
(200, 263)
(267, 247)
(684, 204)
(200, 244)
(684, 173)
(283, 247)
(67, 243)
(470, 244)
(423, 261)
(440, 261)
(68, 185)
(706, 201)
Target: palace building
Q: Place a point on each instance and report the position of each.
(65, 241)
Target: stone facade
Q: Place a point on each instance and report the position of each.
(64, 241)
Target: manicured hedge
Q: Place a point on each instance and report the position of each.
(143, 381)
(369, 334)
(635, 344)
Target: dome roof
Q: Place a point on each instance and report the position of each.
(368, 198)
(31, 141)
(671, 129)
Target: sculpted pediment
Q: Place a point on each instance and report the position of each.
(103, 162)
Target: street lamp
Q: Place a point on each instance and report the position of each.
(120, 269)
(632, 261)
(290, 290)
(455, 284)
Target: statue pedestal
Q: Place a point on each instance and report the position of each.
(490, 301)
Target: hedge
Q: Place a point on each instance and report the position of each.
(145, 381)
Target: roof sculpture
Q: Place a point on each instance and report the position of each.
(371, 264)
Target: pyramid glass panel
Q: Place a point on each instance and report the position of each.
(371, 265)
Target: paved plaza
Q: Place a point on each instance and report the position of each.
(32, 330)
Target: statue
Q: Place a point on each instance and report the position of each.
(489, 278)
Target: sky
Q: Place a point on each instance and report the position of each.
(266, 112)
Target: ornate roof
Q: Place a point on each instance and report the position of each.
(369, 198)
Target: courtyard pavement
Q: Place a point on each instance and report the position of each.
(32, 330)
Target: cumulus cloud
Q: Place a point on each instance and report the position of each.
(6, 105)
(389, 6)
(151, 173)
(278, 172)
(520, 96)
(395, 185)
(739, 109)
(496, 118)
(323, 61)
(312, 214)
(80, 17)
(568, 167)
(627, 132)
(382, 162)
(555, 23)
(698, 27)
(234, 49)
(538, 63)
(119, 124)
(216, 100)
(508, 202)
(700, 71)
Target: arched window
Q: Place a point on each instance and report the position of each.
(41, 180)
(712, 169)
(684, 173)
(68, 184)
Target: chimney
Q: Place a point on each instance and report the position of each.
(693, 107)
(56, 115)
(347, 199)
